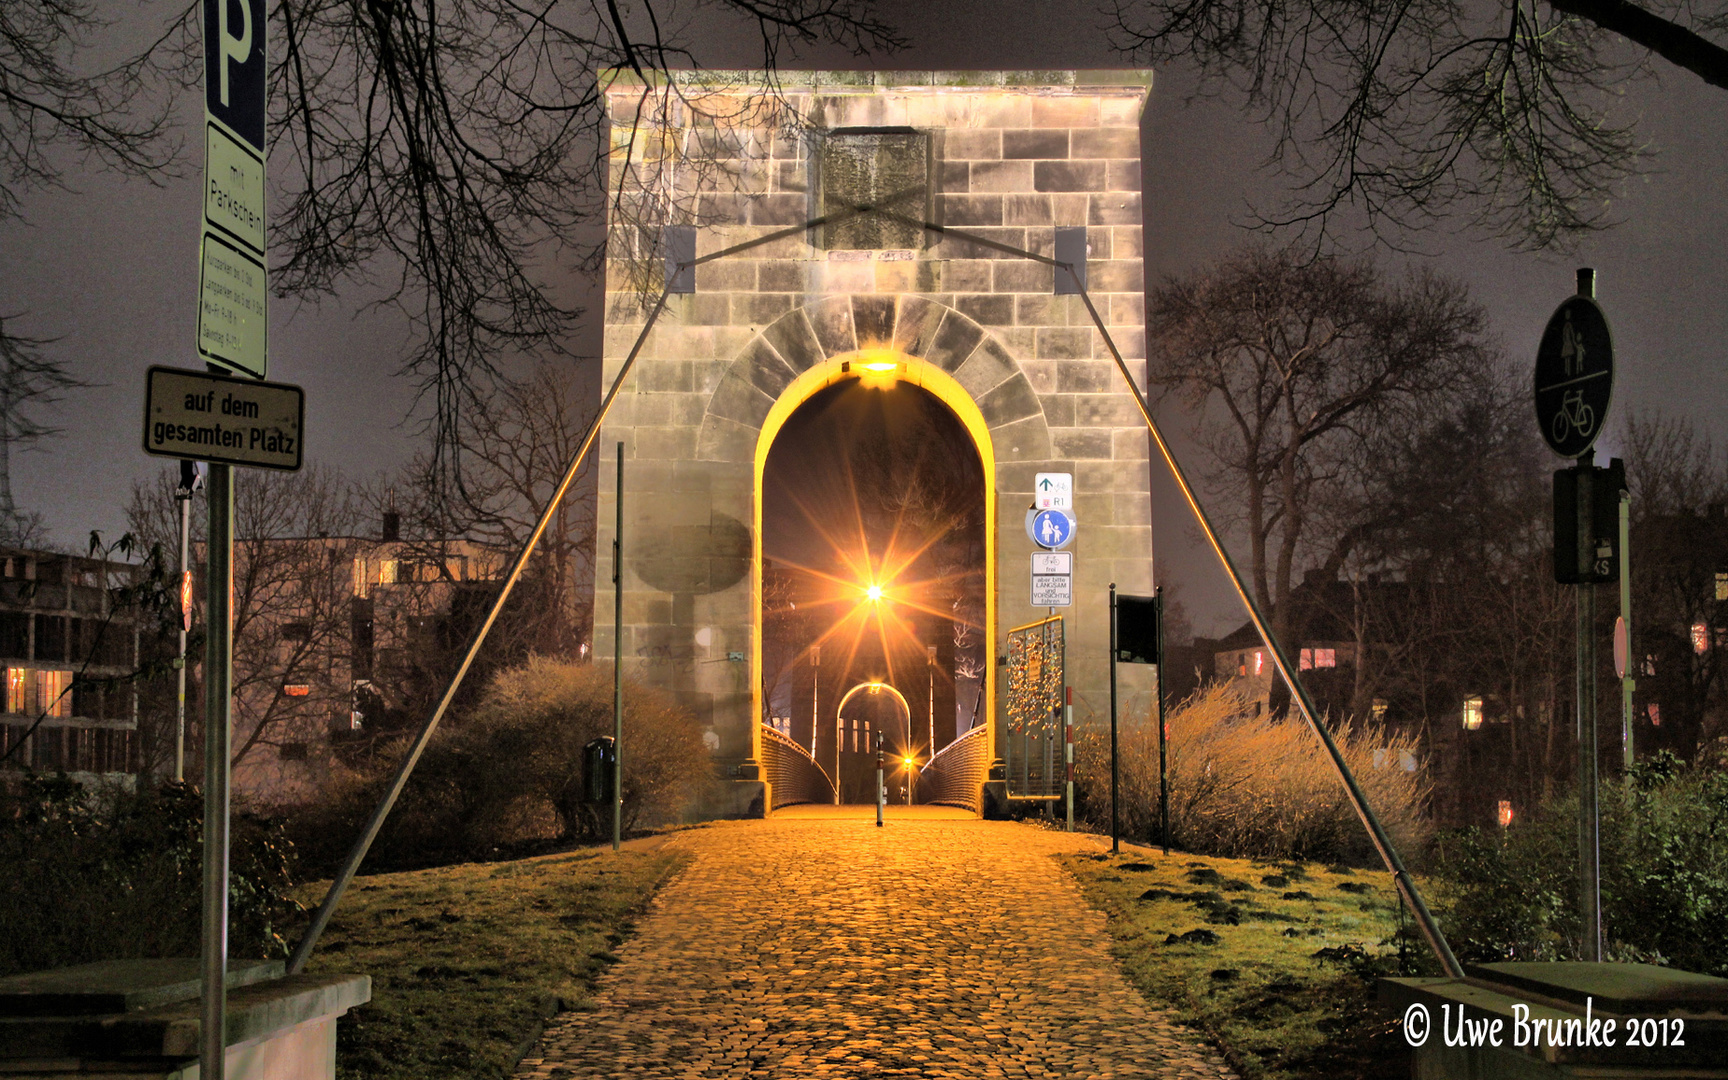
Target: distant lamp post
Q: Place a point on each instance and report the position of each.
(1472, 713)
(1504, 817)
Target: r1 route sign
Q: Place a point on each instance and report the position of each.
(1053, 491)
(189, 414)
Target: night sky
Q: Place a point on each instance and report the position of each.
(110, 272)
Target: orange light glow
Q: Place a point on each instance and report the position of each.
(297, 690)
(874, 592)
(1505, 816)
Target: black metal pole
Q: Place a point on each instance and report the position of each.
(218, 715)
(1115, 770)
(618, 658)
(1163, 760)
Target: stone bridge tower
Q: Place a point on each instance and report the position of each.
(1010, 156)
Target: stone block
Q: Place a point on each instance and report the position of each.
(1069, 176)
(1023, 276)
(759, 309)
(664, 376)
(1063, 342)
(1059, 410)
(790, 209)
(835, 276)
(893, 277)
(782, 276)
(1041, 374)
(665, 443)
(1024, 440)
(962, 211)
(725, 275)
(1106, 410)
(1087, 376)
(708, 309)
(1069, 209)
(1106, 142)
(1065, 112)
(1130, 443)
(714, 208)
(1000, 176)
(1079, 443)
(987, 308)
(953, 178)
(720, 439)
(737, 400)
(988, 367)
(762, 366)
(1012, 400)
(832, 322)
(916, 323)
(961, 144)
(1124, 175)
(873, 320)
(966, 275)
(1096, 510)
(794, 339)
(1035, 143)
(1116, 275)
(1027, 210)
(1031, 309)
(929, 276)
(791, 176)
(1126, 242)
(1115, 208)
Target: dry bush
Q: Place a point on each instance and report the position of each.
(509, 775)
(1255, 786)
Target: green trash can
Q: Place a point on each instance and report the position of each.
(599, 760)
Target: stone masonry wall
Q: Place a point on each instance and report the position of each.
(1014, 156)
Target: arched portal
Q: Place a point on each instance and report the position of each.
(874, 533)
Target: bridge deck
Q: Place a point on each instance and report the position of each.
(815, 944)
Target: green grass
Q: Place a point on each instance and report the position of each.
(1247, 974)
(467, 961)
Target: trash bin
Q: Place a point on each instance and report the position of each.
(599, 758)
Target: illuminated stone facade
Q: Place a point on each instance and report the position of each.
(1011, 157)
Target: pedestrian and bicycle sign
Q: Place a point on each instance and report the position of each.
(1050, 528)
(1052, 579)
(1574, 377)
(1053, 491)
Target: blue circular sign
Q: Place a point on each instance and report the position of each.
(1052, 529)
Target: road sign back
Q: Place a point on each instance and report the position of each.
(1574, 377)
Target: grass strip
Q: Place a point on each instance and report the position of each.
(1275, 962)
(468, 961)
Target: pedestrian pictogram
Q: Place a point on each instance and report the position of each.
(1051, 528)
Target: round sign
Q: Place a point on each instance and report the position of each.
(1574, 377)
(1050, 528)
(1621, 646)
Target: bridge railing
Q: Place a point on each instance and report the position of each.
(955, 776)
(793, 776)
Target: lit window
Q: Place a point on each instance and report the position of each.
(297, 690)
(1242, 665)
(1649, 663)
(1504, 817)
(1326, 658)
(1306, 660)
(1700, 638)
(1379, 708)
(1259, 661)
(1655, 712)
(360, 577)
(1472, 713)
(1722, 584)
(17, 689)
(387, 572)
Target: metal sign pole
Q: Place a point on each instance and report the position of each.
(185, 497)
(618, 658)
(1163, 758)
(881, 792)
(1589, 841)
(1068, 747)
(1115, 771)
(218, 676)
(1627, 683)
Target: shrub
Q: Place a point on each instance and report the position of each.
(115, 874)
(509, 775)
(1664, 847)
(1249, 786)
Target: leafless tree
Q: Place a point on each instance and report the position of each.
(1407, 111)
(1292, 366)
(293, 582)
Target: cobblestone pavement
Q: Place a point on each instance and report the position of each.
(821, 946)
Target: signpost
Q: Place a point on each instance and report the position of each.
(1050, 529)
(232, 283)
(1574, 385)
(1053, 491)
(1052, 579)
(260, 427)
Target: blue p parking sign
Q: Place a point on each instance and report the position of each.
(1051, 529)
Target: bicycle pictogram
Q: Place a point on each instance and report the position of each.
(1574, 414)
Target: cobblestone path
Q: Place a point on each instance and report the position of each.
(821, 946)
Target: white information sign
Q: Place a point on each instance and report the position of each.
(1052, 590)
(232, 316)
(192, 414)
(1053, 491)
(232, 283)
(1052, 562)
